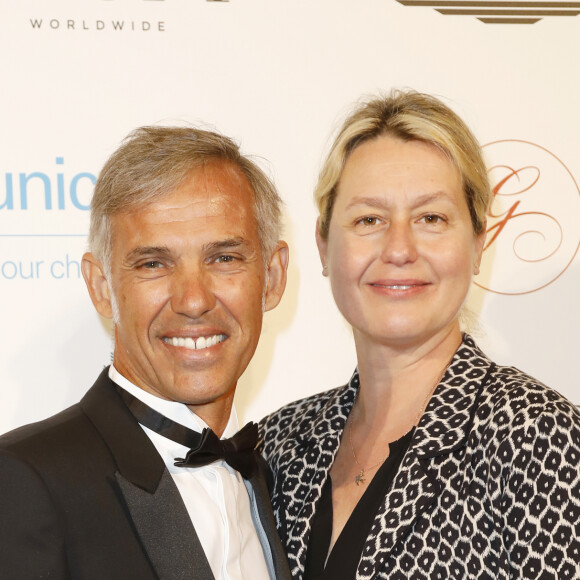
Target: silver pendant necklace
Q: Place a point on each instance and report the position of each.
(360, 477)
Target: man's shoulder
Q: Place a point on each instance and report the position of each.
(64, 434)
(55, 433)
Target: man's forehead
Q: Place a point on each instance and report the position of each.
(217, 174)
(213, 204)
(214, 183)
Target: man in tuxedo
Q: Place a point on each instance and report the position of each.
(149, 476)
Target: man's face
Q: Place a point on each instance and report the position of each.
(188, 287)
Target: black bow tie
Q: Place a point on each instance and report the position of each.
(207, 447)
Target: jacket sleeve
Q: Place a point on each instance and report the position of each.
(542, 498)
(31, 539)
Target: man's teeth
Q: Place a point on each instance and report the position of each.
(195, 344)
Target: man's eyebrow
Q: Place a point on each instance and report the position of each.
(228, 243)
(164, 252)
(147, 251)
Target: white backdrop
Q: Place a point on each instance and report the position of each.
(277, 75)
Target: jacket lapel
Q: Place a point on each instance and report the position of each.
(151, 497)
(264, 509)
(411, 494)
(165, 529)
(304, 464)
(443, 429)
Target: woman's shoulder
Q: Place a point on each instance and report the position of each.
(296, 419)
(513, 387)
(301, 409)
(530, 434)
(509, 388)
(501, 407)
(517, 406)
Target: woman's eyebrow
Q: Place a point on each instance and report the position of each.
(380, 202)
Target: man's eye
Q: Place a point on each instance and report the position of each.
(225, 259)
(151, 265)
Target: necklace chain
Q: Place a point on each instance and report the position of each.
(360, 476)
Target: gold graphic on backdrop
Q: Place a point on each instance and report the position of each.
(498, 12)
(532, 232)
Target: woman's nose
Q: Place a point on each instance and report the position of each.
(399, 244)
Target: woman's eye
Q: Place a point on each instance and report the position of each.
(433, 219)
(368, 221)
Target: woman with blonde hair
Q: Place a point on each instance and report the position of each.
(433, 461)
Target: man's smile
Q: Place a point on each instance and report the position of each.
(195, 343)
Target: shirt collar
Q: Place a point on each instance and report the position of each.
(178, 412)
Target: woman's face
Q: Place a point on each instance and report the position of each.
(401, 248)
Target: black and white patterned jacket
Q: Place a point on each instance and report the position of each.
(489, 487)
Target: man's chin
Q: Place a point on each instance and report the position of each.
(199, 392)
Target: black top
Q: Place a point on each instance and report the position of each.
(346, 552)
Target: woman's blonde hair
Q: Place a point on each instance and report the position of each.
(407, 115)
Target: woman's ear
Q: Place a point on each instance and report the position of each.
(97, 285)
(479, 247)
(322, 245)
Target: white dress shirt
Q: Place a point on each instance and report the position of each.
(221, 505)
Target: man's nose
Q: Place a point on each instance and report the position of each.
(193, 292)
(399, 244)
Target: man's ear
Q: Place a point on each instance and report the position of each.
(322, 245)
(276, 276)
(97, 285)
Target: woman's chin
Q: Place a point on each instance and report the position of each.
(407, 333)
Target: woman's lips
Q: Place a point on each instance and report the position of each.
(398, 284)
(399, 287)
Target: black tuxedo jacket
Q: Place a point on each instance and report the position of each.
(85, 495)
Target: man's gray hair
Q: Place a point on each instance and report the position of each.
(153, 161)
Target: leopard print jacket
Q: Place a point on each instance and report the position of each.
(489, 487)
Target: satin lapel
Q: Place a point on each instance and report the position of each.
(443, 429)
(166, 530)
(151, 497)
(136, 457)
(264, 506)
